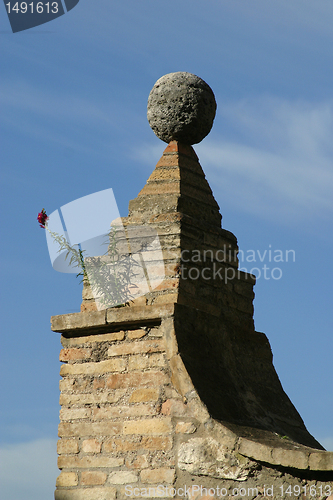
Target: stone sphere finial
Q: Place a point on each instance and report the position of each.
(181, 107)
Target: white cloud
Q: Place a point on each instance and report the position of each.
(275, 159)
(29, 470)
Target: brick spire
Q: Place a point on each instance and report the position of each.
(178, 203)
(178, 184)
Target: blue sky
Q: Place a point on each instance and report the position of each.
(73, 122)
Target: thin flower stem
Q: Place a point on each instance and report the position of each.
(76, 255)
(110, 276)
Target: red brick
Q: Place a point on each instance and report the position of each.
(90, 478)
(74, 354)
(134, 379)
(67, 446)
(80, 429)
(148, 426)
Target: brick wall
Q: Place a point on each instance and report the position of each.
(113, 430)
(131, 419)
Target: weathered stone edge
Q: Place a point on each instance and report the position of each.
(100, 320)
(304, 459)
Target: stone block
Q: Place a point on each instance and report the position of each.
(77, 321)
(83, 429)
(74, 413)
(67, 446)
(123, 412)
(135, 379)
(123, 477)
(106, 366)
(144, 395)
(321, 460)
(91, 446)
(92, 478)
(140, 347)
(297, 459)
(255, 450)
(207, 457)
(92, 398)
(67, 479)
(179, 377)
(136, 334)
(158, 476)
(138, 314)
(148, 426)
(88, 462)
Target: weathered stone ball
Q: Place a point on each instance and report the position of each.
(181, 107)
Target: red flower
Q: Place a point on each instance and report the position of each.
(42, 218)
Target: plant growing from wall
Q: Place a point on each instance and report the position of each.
(110, 275)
